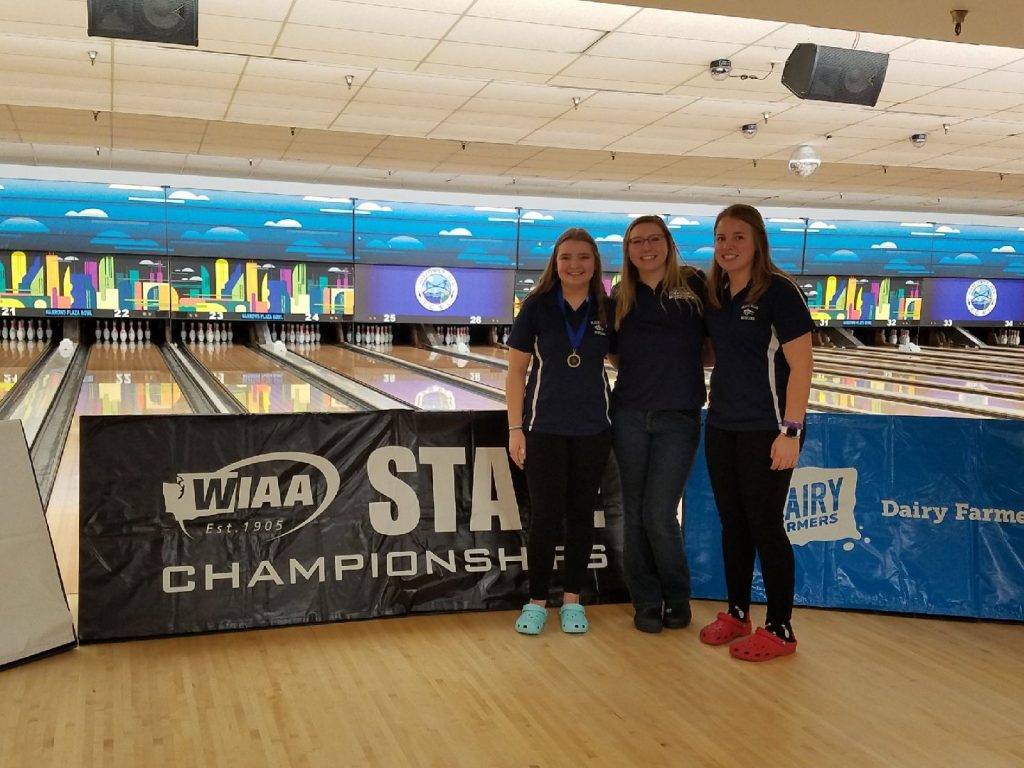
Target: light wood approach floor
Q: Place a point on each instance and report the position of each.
(465, 690)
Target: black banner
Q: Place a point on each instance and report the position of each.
(202, 523)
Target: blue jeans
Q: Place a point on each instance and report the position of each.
(655, 451)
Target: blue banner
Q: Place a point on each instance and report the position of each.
(903, 514)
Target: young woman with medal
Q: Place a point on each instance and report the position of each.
(559, 430)
(760, 328)
(659, 392)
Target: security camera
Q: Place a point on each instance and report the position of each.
(720, 69)
(749, 130)
(919, 139)
(804, 161)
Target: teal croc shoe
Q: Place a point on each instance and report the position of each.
(531, 620)
(573, 618)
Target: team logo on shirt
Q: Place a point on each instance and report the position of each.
(597, 328)
(436, 289)
(981, 297)
(748, 312)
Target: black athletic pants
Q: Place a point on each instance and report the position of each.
(563, 475)
(751, 500)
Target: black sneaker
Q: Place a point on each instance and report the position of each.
(648, 619)
(677, 615)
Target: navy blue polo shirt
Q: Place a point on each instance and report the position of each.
(659, 345)
(748, 383)
(561, 400)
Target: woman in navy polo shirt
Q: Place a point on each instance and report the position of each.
(558, 422)
(659, 391)
(760, 328)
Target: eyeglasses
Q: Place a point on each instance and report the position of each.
(654, 240)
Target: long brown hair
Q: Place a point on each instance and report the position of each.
(676, 277)
(549, 279)
(762, 269)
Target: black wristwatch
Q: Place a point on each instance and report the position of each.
(791, 428)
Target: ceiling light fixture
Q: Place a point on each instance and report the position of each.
(958, 21)
(720, 69)
(919, 139)
(804, 161)
(749, 130)
(349, 80)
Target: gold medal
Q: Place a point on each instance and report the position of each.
(573, 360)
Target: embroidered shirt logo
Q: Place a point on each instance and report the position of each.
(748, 312)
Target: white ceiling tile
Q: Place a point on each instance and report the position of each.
(913, 73)
(1002, 81)
(362, 17)
(340, 41)
(565, 13)
(273, 10)
(509, 107)
(629, 71)
(417, 82)
(693, 26)
(528, 36)
(426, 99)
(535, 94)
(482, 73)
(959, 98)
(510, 60)
(619, 45)
(964, 54)
(231, 29)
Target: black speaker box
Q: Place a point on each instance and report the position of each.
(822, 73)
(155, 21)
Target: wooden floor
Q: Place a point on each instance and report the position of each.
(465, 690)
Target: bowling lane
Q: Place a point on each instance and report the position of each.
(15, 358)
(471, 370)
(417, 389)
(825, 400)
(911, 377)
(120, 380)
(260, 384)
(951, 362)
(979, 403)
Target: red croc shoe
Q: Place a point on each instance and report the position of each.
(762, 646)
(724, 629)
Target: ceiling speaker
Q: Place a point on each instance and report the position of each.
(155, 21)
(822, 73)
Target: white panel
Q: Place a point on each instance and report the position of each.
(361, 17)
(664, 49)
(216, 29)
(693, 26)
(421, 83)
(538, 36)
(963, 54)
(565, 13)
(35, 611)
(508, 60)
(627, 71)
(456, 70)
(339, 41)
(274, 10)
(927, 74)
(425, 98)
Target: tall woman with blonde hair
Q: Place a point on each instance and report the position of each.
(659, 392)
